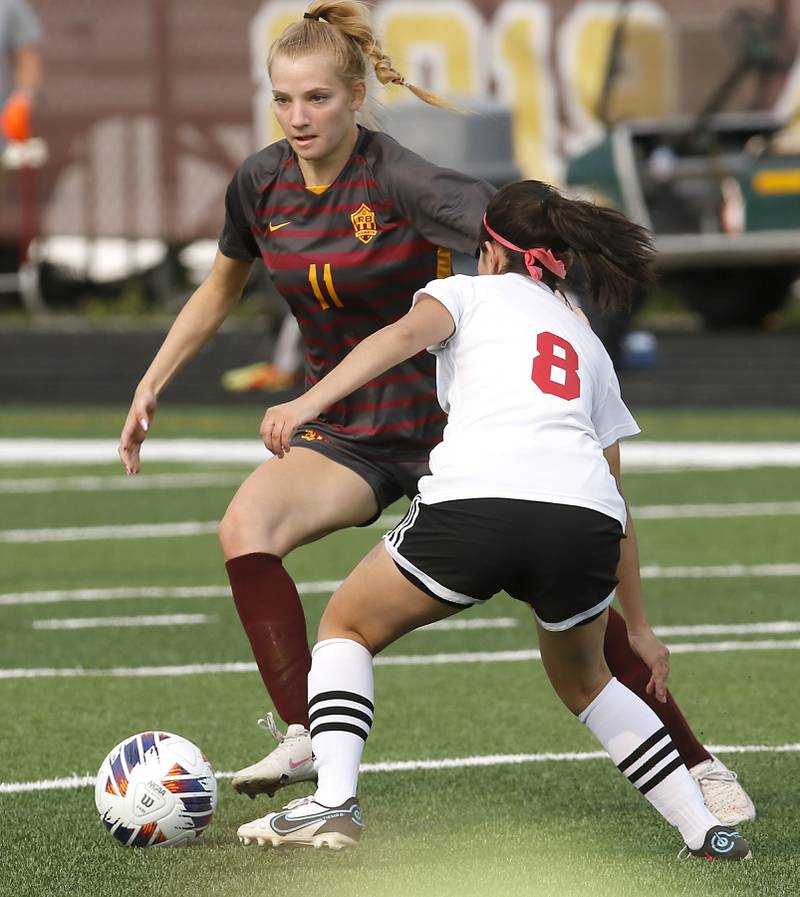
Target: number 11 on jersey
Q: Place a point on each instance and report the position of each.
(327, 278)
(556, 354)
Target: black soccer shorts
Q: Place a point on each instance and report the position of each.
(560, 559)
(390, 477)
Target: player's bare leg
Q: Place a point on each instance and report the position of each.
(634, 738)
(284, 503)
(372, 608)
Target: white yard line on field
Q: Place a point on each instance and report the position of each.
(779, 627)
(102, 533)
(320, 587)
(190, 619)
(69, 782)
(325, 587)
(112, 483)
(478, 623)
(721, 509)
(118, 622)
(637, 454)
(392, 660)
(719, 571)
(385, 522)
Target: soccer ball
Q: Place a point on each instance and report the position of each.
(155, 790)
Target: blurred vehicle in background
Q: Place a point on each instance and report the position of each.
(720, 190)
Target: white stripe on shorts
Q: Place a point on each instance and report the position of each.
(578, 618)
(395, 536)
(392, 540)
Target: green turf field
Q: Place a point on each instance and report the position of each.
(546, 826)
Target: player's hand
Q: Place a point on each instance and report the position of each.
(281, 421)
(137, 425)
(15, 119)
(656, 655)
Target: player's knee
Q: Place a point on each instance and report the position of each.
(337, 623)
(241, 531)
(578, 693)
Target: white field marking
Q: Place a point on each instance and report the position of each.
(395, 660)
(111, 483)
(326, 587)
(720, 571)
(722, 509)
(115, 622)
(321, 587)
(385, 522)
(636, 455)
(780, 627)
(190, 619)
(68, 782)
(102, 533)
(478, 623)
(99, 451)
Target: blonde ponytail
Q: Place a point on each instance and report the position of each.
(343, 29)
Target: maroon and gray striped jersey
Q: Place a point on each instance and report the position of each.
(348, 260)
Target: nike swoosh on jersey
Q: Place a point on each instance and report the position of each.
(274, 227)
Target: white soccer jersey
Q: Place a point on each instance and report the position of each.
(532, 399)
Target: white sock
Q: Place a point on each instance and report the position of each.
(340, 706)
(638, 743)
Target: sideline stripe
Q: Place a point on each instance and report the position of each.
(393, 660)
(720, 571)
(732, 509)
(86, 781)
(478, 623)
(189, 619)
(776, 628)
(636, 454)
(323, 587)
(92, 533)
(118, 622)
(385, 522)
(111, 483)
(780, 627)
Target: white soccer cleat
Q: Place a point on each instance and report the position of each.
(290, 762)
(724, 796)
(305, 823)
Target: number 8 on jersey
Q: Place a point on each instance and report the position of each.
(556, 354)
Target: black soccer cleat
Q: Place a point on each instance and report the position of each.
(722, 843)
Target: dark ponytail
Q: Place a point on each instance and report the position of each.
(616, 254)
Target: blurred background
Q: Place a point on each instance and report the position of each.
(684, 115)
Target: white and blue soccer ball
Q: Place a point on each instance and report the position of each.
(155, 789)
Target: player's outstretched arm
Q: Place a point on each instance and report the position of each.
(198, 320)
(427, 323)
(629, 593)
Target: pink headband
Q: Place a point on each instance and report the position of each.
(545, 256)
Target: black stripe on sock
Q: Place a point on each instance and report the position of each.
(341, 696)
(339, 727)
(661, 775)
(340, 711)
(643, 748)
(653, 761)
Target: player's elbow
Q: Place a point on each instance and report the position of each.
(407, 338)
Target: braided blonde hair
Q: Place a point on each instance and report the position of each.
(342, 29)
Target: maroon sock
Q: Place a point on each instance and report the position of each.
(633, 672)
(272, 615)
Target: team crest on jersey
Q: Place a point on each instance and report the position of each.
(364, 223)
(311, 436)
